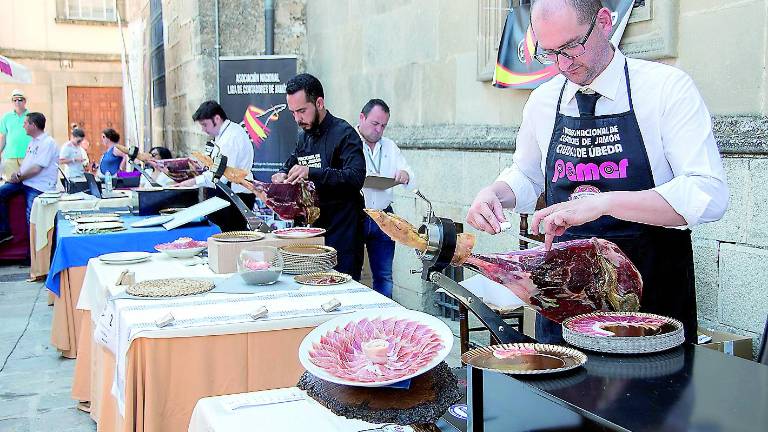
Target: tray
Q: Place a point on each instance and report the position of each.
(623, 332)
(525, 358)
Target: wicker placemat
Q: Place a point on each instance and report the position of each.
(170, 287)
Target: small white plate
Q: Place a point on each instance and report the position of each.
(124, 257)
(96, 219)
(153, 221)
(182, 253)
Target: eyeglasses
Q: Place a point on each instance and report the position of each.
(548, 57)
(18, 99)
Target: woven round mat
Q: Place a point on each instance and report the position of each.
(170, 287)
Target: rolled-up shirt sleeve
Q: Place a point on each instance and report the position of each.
(525, 177)
(698, 191)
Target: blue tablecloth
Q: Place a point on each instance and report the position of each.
(74, 250)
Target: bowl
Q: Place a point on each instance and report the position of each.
(183, 247)
(182, 253)
(260, 265)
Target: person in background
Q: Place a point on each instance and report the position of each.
(38, 172)
(383, 159)
(13, 138)
(113, 160)
(72, 156)
(157, 176)
(232, 141)
(329, 153)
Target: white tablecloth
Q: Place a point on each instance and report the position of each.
(44, 210)
(121, 320)
(213, 414)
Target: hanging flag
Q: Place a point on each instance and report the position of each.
(258, 130)
(11, 71)
(517, 68)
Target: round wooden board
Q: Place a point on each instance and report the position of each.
(429, 397)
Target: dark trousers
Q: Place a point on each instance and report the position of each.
(9, 190)
(343, 223)
(229, 218)
(381, 252)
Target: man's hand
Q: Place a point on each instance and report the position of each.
(15, 177)
(185, 183)
(559, 217)
(402, 177)
(279, 177)
(297, 173)
(486, 213)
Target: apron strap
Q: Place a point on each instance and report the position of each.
(560, 99)
(629, 88)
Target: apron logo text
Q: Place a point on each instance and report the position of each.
(590, 171)
(312, 161)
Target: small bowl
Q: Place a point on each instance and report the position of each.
(260, 265)
(182, 253)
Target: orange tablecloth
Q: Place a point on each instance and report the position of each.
(166, 376)
(65, 327)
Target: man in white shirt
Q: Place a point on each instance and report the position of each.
(383, 159)
(37, 174)
(622, 148)
(232, 141)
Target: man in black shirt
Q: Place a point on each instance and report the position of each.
(329, 153)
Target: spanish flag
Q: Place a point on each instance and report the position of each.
(257, 130)
(515, 65)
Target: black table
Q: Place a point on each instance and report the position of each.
(689, 388)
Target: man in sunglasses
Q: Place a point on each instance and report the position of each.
(13, 138)
(621, 148)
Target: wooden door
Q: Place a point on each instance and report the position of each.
(94, 109)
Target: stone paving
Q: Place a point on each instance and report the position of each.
(35, 381)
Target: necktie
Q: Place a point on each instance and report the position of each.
(587, 102)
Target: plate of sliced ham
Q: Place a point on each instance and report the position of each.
(182, 247)
(375, 348)
(298, 232)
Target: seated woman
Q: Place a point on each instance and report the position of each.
(113, 160)
(156, 175)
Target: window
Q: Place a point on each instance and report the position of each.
(90, 10)
(491, 17)
(157, 53)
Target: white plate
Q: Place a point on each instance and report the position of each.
(124, 257)
(298, 232)
(153, 221)
(99, 226)
(95, 219)
(442, 330)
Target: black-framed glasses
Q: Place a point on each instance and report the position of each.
(18, 99)
(548, 57)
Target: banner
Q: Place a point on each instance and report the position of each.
(252, 93)
(517, 68)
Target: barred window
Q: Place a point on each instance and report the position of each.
(157, 53)
(90, 10)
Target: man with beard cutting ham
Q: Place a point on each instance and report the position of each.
(329, 153)
(623, 150)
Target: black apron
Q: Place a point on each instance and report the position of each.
(593, 154)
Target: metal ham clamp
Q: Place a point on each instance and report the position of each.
(133, 154)
(217, 168)
(442, 242)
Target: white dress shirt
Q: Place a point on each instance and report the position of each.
(385, 160)
(233, 143)
(674, 122)
(41, 151)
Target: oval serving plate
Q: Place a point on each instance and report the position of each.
(298, 232)
(623, 332)
(524, 358)
(340, 337)
(323, 278)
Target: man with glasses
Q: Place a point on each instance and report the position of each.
(13, 139)
(622, 149)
